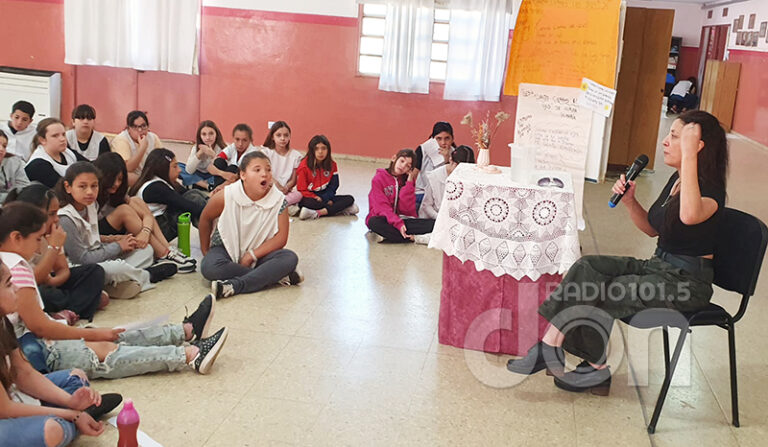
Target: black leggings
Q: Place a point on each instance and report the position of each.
(81, 293)
(340, 203)
(223, 165)
(380, 226)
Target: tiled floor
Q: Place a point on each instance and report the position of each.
(351, 356)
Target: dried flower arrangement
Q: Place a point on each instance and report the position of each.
(486, 129)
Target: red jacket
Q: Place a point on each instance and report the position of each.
(320, 183)
(387, 198)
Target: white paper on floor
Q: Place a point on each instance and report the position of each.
(136, 325)
(143, 438)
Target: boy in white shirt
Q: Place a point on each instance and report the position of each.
(18, 129)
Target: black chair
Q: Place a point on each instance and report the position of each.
(739, 252)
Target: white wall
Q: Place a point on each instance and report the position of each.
(343, 8)
(759, 7)
(688, 18)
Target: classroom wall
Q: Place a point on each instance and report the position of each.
(341, 8)
(255, 66)
(751, 110)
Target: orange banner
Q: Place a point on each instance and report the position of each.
(559, 42)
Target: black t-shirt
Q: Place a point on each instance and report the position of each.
(41, 170)
(103, 145)
(677, 238)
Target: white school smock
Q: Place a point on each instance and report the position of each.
(92, 151)
(123, 138)
(60, 169)
(157, 209)
(19, 143)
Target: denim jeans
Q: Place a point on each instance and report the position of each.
(158, 348)
(190, 179)
(30, 431)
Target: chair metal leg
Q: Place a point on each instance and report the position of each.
(667, 380)
(734, 378)
(666, 348)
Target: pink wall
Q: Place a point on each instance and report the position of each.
(255, 67)
(751, 113)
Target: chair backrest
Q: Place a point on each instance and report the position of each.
(739, 251)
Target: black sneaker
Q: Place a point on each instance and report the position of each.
(222, 289)
(209, 349)
(109, 402)
(293, 278)
(161, 270)
(201, 318)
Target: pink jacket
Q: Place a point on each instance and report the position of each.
(390, 200)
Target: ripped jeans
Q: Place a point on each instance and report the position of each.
(158, 348)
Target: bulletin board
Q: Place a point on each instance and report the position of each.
(559, 42)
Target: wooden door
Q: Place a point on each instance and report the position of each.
(640, 88)
(721, 83)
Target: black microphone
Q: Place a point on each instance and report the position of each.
(640, 162)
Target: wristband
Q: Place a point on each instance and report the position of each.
(147, 229)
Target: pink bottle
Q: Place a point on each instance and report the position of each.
(128, 425)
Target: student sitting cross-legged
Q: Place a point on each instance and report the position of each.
(245, 252)
(135, 143)
(317, 181)
(100, 352)
(199, 171)
(69, 293)
(84, 138)
(39, 410)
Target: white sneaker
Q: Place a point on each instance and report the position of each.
(374, 237)
(351, 210)
(308, 214)
(422, 239)
(293, 210)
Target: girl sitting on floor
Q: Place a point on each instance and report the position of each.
(12, 173)
(433, 195)
(69, 293)
(245, 252)
(135, 143)
(284, 161)
(84, 139)
(100, 352)
(228, 159)
(318, 180)
(52, 157)
(39, 410)
(159, 188)
(129, 269)
(392, 196)
(120, 214)
(199, 170)
(431, 156)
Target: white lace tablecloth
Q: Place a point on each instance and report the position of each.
(505, 227)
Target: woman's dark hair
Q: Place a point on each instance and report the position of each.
(219, 139)
(84, 112)
(407, 153)
(77, 169)
(442, 126)
(277, 125)
(157, 165)
(249, 157)
(133, 115)
(242, 127)
(111, 165)
(22, 217)
(463, 154)
(35, 193)
(325, 165)
(712, 160)
(42, 129)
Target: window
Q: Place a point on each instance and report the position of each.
(372, 41)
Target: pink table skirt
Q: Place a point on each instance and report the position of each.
(484, 312)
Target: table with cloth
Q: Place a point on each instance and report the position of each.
(505, 247)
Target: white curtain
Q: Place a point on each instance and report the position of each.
(477, 49)
(407, 46)
(142, 34)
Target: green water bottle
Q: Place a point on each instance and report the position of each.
(183, 230)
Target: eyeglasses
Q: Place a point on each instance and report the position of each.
(141, 127)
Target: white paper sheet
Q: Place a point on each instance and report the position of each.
(143, 438)
(431, 149)
(551, 122)
(596, 97)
